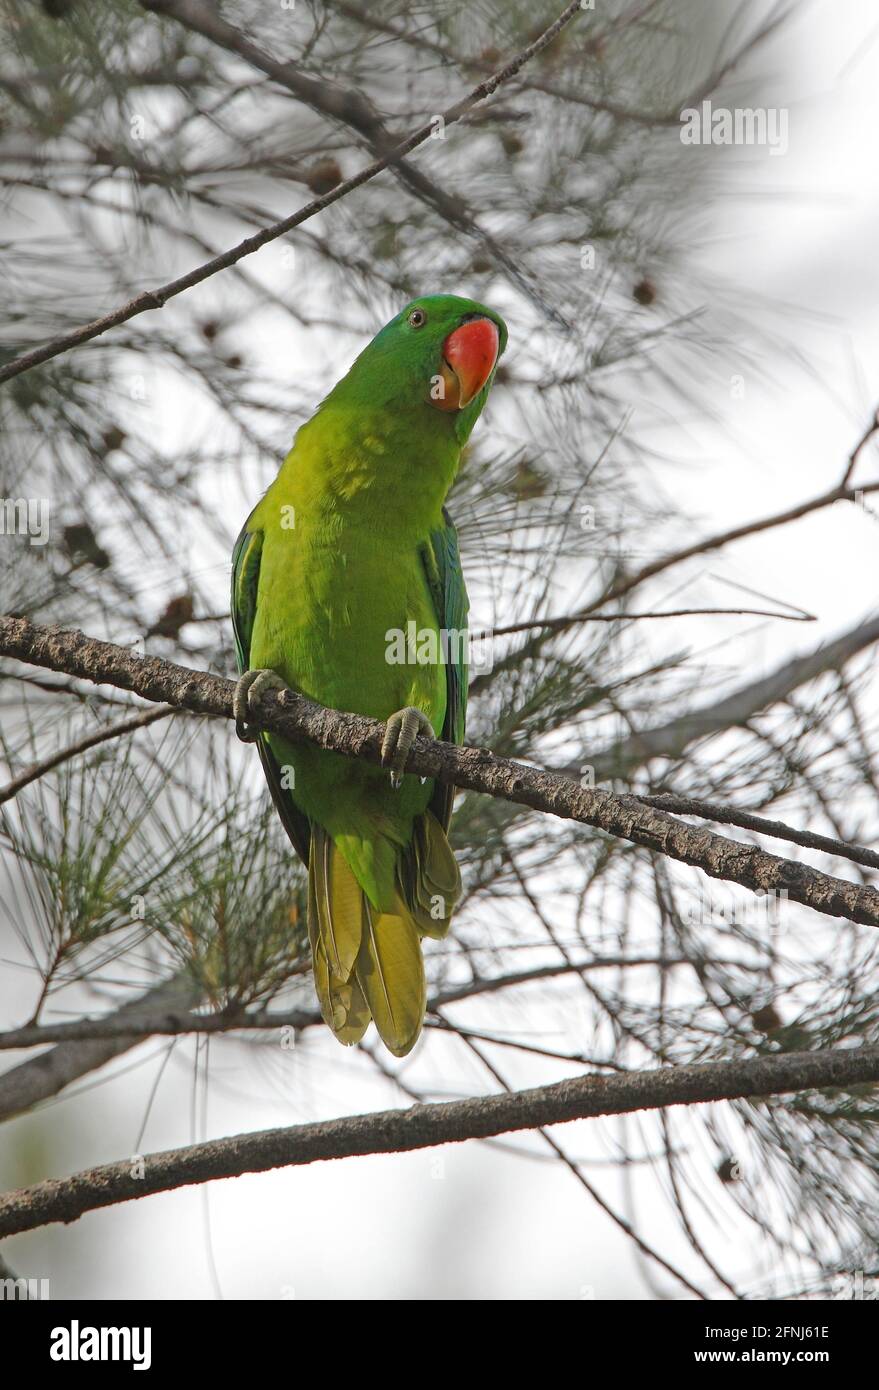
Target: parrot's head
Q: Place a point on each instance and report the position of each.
(435, 359)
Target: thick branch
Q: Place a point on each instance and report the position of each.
(476, 769)
(423, 1126)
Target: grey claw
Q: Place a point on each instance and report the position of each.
(250, 686)
(401, 731)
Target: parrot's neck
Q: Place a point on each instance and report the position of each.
(349, 462)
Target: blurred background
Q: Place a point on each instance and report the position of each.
(692, 348)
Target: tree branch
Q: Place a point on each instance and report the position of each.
(173, 1022)
(44, 1076)
(157, 298)
(355, 111)
(731, 815)
(566, 620)
(424, 1126)
(475, 769)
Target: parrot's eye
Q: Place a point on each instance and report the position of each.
(417, 318)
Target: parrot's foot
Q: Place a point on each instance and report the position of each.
(250, 686)
(401, 731)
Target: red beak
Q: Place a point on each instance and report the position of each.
(471, 352)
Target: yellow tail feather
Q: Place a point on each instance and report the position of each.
(368, 963)
(342, 1004)
(390, 970)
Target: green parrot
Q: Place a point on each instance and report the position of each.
(347, 586)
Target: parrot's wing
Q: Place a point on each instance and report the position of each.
(245, 586)
(445, 577)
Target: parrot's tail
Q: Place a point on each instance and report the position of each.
(367, 960)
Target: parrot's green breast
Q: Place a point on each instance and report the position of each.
(342, 572)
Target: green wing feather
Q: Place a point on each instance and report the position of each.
(427, 871)
(445, 577)
(245, 587)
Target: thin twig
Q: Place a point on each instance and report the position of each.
(567, 620)
(157, 298)
(731, 815)
(174, 1022)
(125, 726)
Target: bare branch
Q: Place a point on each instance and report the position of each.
(174, 1022)
(424, 1126)
(475, 769)
(731, 815)
(566, 620)
(869, 433)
